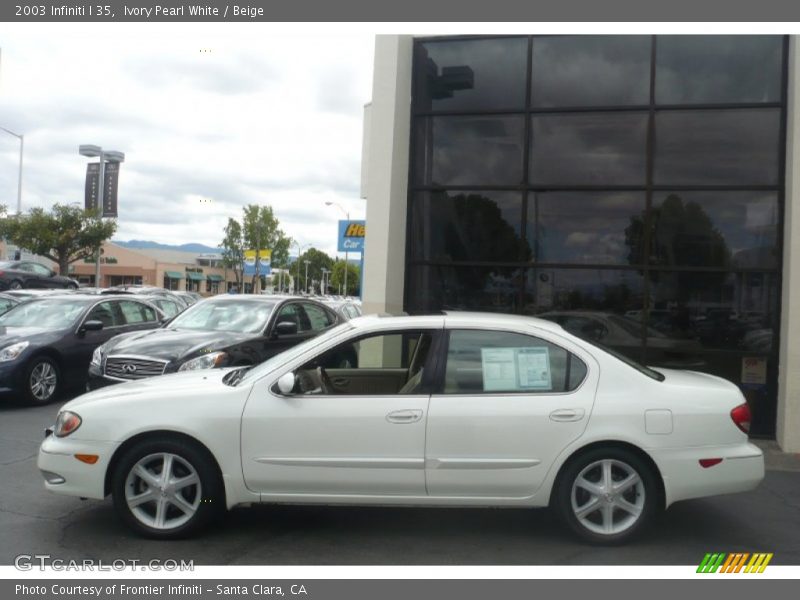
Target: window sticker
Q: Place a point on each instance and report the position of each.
(516, 369)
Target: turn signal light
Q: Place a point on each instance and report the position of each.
(741, 417)
(89, 459)
(709, 462)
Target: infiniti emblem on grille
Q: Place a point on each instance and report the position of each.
(128, 368)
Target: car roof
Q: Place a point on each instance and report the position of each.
(453, 319)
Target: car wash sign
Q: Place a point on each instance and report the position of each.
(351, 236)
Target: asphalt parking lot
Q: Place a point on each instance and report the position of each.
(33, 521)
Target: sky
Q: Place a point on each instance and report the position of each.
(209, 118)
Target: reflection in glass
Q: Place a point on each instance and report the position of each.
(715, 229)
(588, 149)
(720, 310)
(459, 226)
(729, 147)
(585, 227)
(590, 70)
(489, 289)
(471, 74)
(718, 68)
(479, 150)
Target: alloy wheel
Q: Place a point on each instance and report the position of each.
(43, 381)
(608, 497)
(163, 491)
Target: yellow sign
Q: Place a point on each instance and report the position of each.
(264, 256)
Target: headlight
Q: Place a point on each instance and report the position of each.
(97, 356)
(13, 351)
(66, 423)
(207, 361)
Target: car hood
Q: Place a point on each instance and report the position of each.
(173, 344)
(12, 335)
(186, 382)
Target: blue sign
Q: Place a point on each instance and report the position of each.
(351, 236)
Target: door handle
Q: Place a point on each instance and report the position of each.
(340, 381)
(404, 416)
(566, 415)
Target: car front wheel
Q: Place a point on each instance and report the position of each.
(607, 495)
(42, 381)
(166, 489)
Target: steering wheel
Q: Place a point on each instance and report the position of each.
(324, 381)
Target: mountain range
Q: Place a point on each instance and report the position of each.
(146, 244)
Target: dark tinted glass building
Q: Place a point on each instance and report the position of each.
(630, 188)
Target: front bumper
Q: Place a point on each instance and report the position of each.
(741, 470)
(57, 461)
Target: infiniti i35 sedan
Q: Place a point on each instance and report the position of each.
(462, 409)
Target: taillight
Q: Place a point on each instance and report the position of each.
(741, 417)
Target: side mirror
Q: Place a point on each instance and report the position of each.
(92, 325)
(286, 383)
(286, 328)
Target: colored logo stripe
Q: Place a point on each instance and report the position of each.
(733, 563)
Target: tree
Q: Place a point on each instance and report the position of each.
(353, 278)
(66, 234)
(317, 260)
(233, 250)
(261, 230)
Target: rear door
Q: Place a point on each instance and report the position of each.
(507, 405)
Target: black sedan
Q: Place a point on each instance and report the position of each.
(227, 330)
(46, 343)
(18, 274)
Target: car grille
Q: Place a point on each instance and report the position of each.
(124, 367)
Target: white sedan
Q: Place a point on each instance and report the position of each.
(462, 409)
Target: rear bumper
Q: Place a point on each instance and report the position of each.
(741, 470)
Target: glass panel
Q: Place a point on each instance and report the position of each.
(730, 147)
(586, 227)
(483, 226)
(715, 229)
(497, 361)
(718, 68)
(589, 149)
(471, 74)
(479, 150)
(732, 311)
(437, 288)
(590, 70)
(589, 303)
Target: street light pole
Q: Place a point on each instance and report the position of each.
(21, 138)
(91, 150)
(305, 283)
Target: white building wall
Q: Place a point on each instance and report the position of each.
(788, 425)
(387, 175)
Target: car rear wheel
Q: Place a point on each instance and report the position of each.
(166, 489)
(42, 380)
(607, 495)
(15, 285)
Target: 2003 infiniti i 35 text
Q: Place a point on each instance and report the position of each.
(459, 409)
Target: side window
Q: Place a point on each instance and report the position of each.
(169, 307)
(318, 318)
(481, 361)
(25, 267)
(107, 313)
(136, 312)
(290, 313)
(40, 270)
(379, 364)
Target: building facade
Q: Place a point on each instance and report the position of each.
(636, 189)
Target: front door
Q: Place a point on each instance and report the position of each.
(327, 439)
(508, 405)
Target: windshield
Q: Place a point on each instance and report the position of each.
(289, 354)
(50, 314)
(238, 316)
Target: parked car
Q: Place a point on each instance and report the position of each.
(146, 290)
(169, 306)
(189, 297)
(218, 332)
(458, 409)
(7, 302)
(344, 308)
(19, 274)
(46, 343)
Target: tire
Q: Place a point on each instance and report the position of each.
(42, 382)
(173, 513)
(610, 516)
(72, 286)
(15, 285)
